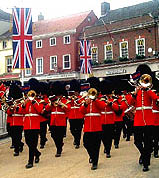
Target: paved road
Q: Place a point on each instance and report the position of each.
(74, 162)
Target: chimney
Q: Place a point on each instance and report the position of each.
(40, 16)
(105, 7)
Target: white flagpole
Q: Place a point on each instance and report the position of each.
(22, 79)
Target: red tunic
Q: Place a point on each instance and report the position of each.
(75, 106)
(92, 116)
(118, 117)
(58, 113)
(31, 119)
(16, 118)
(155, 111)
(107, 115)
(143, 104)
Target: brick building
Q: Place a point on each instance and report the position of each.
(124, 38)
(56, 46)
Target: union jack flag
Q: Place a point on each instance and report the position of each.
(85, 57)
(22, 38)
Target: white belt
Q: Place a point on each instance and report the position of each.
(110, 112)
(56, 112)
(17, 115)
(155, 111)
(143, 107)
(75, 107)
(92, 114)
(31, 114)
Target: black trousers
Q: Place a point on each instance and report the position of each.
(143, 142)
(31, 139)
(127, 127)
(92, 142)
(57, 134)
(107, 136)
(76, 126)
(9, 133)
(156, 139)
(16, 133)
(43, 131)
(117, 132)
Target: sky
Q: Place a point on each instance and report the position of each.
(59, 8)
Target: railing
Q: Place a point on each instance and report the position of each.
(3, 124)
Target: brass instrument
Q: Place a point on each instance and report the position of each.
(92, 93)
(31, 95)
(145, 81)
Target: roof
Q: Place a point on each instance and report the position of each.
(61, 24)
(150, 7)
(4, 16)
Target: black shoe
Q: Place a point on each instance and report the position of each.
(29, 166)
(58, 155)
(37, 159)
(16, 154)
(108, 156)
(90, 160)
(140, 160)
(156, 156)
(77, 147)
(12, 146)
(116, 146)
(42, 146)
(145, 169)
(124, 135)
(94, 167)
(128, 139)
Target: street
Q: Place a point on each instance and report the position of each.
(74, 162)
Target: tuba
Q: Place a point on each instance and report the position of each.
(145, 81)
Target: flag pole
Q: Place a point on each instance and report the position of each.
(22, 79)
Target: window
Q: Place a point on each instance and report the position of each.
(66, 39)
(27, 71)
(140, 47)
(4, 44)
(53, 62)
(108, 52)
(9, 64)
(39, 66)
(39, 44)
(66, 61)
(94, 52)
(52, 41)
(124, 49)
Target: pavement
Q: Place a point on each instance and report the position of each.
(74, 162)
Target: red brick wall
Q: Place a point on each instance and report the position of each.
(130, 35)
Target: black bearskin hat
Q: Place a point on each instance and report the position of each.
(15, 92)
(75, 85)
(144, 69)
(94, 83)
(106, 87)
(34, 85)
(57, 88)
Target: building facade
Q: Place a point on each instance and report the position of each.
(6, 50)
(124, 38)
(56, 47)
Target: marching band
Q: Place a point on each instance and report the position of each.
(102, 114)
